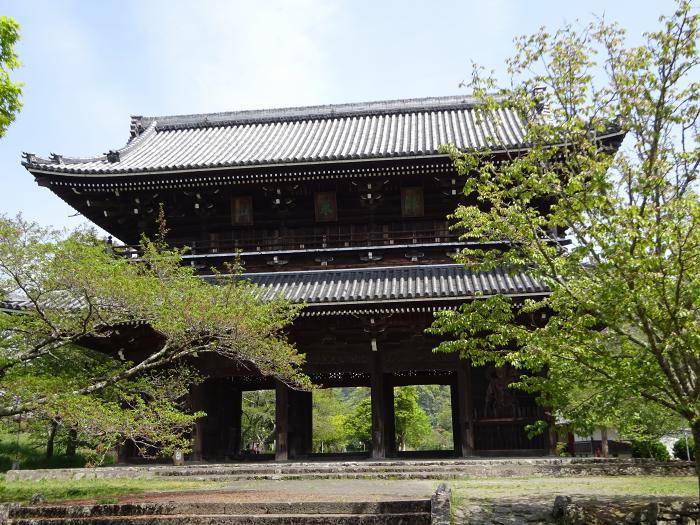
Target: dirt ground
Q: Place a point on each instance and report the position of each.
(298, 490)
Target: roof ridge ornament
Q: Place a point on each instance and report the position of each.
(113, 156)
(136, 127)
(55, 157)
(541, 103)
(29, 158)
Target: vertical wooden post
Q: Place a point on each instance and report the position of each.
(604, 449)
(236, 413)
(551, 440)
(281, 421)
(307, 422)
(299, 427)
(465, 413)
(378, 393)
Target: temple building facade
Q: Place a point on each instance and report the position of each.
(342, 208)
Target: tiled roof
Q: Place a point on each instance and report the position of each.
(344, 132)
(67, 302)
(393, 284)
(398, 284)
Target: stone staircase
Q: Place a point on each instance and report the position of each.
(414, 512)
(423, 469)
(385, 469)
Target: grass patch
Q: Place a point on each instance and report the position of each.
(102, 490)
(32, 454)
(549, 487)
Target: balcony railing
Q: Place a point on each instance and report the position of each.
(295, 241)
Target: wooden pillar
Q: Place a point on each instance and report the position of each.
(281, 421)
(604, 448)
(464, 411)
(236, 412)
(125, 452)
(378, 393)
(551, 440)
(300, 424)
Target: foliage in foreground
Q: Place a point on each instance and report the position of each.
(681, 448)
(102, 490)
(29, 450)
(78, 298)
(650, 448)
(623, 318)
(10, 92)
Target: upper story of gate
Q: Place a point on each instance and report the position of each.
(337, 186)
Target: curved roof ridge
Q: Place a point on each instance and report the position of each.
(350, 109)
(131, 144)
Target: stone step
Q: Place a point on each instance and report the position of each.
(303, 470)
(331, 475)
(401, 469)
(433, 511)
(405, 518)
(228, 508)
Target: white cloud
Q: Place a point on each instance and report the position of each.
(216, 55)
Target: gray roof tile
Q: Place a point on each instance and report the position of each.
(399, 283)
(373, 285)
(342, 132)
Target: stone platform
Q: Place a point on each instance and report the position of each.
(385, 469)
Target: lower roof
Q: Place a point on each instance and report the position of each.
(387, 286)
(396, 284)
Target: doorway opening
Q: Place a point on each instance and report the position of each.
(423, 418)
(257, 423)
(342, 421)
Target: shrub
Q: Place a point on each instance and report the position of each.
(680, 451)
(650, 448)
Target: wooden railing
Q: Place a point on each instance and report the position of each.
(298, 241)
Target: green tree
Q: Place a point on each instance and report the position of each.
(10, 92)
(358, 425)
(614, 236)
(77, 296)
(411, 422)
(684, 449)
(436, 401)
(329, 430)
(258, 420)
(650, 448)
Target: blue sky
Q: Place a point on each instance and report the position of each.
(89, 65)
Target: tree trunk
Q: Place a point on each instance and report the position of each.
(52, 435)
(604, 441)
(72, 443)
(696, 438)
